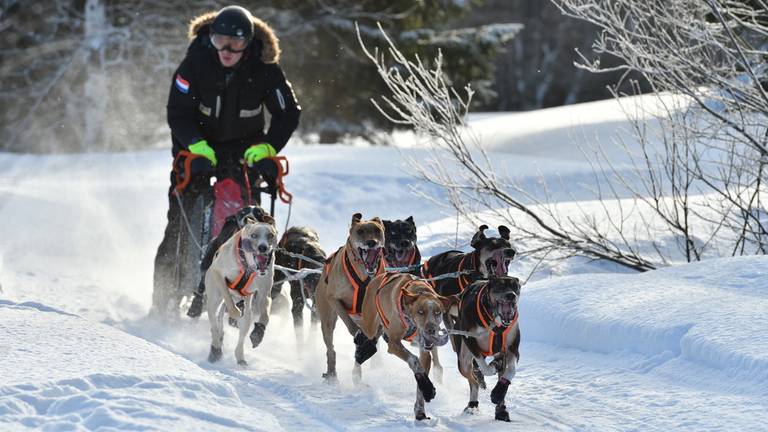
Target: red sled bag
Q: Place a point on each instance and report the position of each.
(227, 200)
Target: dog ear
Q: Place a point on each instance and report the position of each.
(504, 232)
(268, 219)
(356, 218)
(478, 237)
(387, 224)
(376, 219)
(409, 297)
(448, 301)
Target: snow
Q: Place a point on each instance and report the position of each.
(681, 348)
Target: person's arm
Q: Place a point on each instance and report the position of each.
(282, 105)
(183, 102)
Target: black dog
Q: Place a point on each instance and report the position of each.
(303, 241)
(489, 316)
(400, 244)
(490, 257)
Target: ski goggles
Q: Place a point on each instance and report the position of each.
(233, 44)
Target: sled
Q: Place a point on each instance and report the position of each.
(203, 218)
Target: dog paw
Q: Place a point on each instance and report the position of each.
(426, 387)
(330, 378)
(214, 355)
(499, 392)
(421, 416)
(502, 414)
(472, 408)
(257, 334)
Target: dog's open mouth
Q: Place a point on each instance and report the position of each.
(258, 262)
(498, 263)
(370, 258)
(403, 257)
(505, 312)
(440, 339)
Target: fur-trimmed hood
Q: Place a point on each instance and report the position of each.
(270, 47)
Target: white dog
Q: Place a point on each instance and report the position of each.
(242, 271)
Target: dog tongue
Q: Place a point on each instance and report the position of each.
(370, 258)
(262, 259)
(501, 263)
(507, 311)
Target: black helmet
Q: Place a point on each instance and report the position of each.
(233, 21)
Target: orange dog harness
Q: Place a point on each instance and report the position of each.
(245, 276)
(359, 285)
(498, 340)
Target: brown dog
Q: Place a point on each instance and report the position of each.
(404, 307)
(343, 284)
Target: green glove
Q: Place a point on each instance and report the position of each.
(258, 152)
(203, 149)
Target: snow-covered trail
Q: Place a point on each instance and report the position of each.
(78, 238)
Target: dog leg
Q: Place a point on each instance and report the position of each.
(213, 302)
(262, 307)
(243, 325)
(425, 361)
(437, 372)
(327, 326)
(426, 388)
(499, 392)
(297, 307)
(467, 370)
(341, 312)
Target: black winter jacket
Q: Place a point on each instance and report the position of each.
(225, 106)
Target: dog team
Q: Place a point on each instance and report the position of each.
(375, 283)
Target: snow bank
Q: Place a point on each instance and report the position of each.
(61, 371)
(710, 313)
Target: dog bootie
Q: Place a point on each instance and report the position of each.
(257, 334)
(425, 386)
(502, 413)
(196, 308)
(364, 348)
(500, 391)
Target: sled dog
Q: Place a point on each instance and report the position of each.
(343, 285)
(242, 270)
(488, 317)
(400, 306)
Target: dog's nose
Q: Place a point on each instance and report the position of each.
(404, 244)
(431, 329)
(263, 248)
(371, 243)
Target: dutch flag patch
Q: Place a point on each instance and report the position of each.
(182, 84)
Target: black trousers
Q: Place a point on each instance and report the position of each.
(165, 259)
